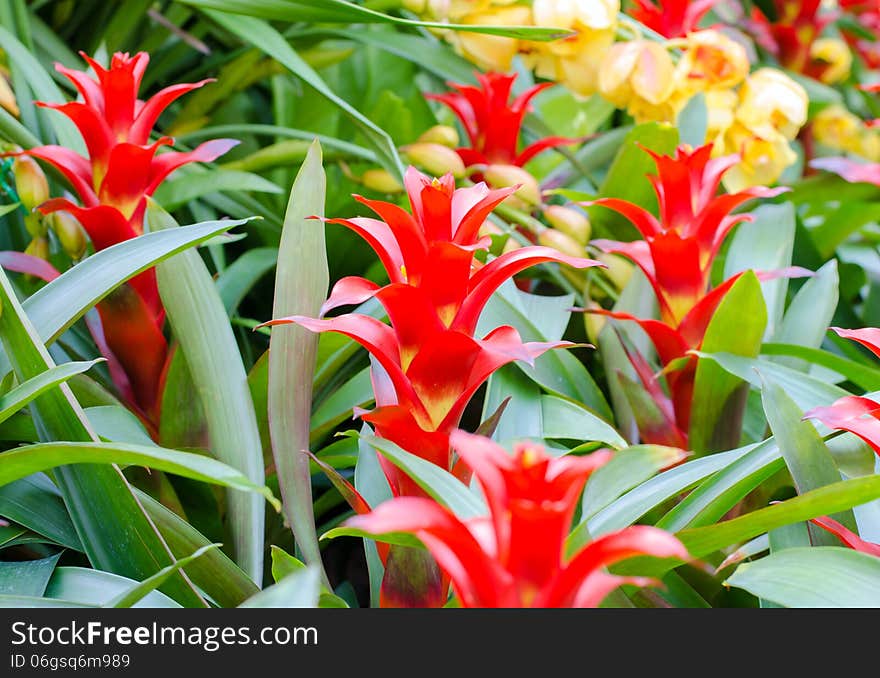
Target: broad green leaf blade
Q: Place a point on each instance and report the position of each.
(110, 522)
(201, 327)
(21, 462)
(567, 419)
(27, 577)
(810, 312)
(215, 573)
(20, 396)
(864, 376)
(301, 282)
(441, 485)
(299, 589)
(32, 602)
(265, 38)
(765, 244)
(806, 456)
(737, 327)
(136, 593)
(820, 577)
(36, 503)
(184, 189)
(94, 587)
(117, 424)
(372, 485)
(627, 469)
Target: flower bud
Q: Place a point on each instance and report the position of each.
(7, 97)
(570, 221)
(38, 247)
(833, 58)
(503, 176)
(619, 269)
(381, 180)
(70, 234)
(561, 242)
(30, 182)
(440, 134)
(435, 159)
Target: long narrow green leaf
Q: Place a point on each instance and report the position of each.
(21, 462)
(301, 282)
(806, 456)
(21, 395)
(298, 589)
(94, 587)
(202, 329)
(339, 11)
(111, 524)
(36, 503)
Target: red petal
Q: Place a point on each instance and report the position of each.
(847, 536)
(869, 337)
(26, 263)
(105, 225)
(491, 276)
(349, 290)
(641, 218)
(610, 549)
(166, 163)
(127, 179)
(75, 168)
(406, 232)
(542, 145)
(380, 237)
(153, 107)
(478, 580)
(92, 127)
(855, 414)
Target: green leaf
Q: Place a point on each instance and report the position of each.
(819, 577)
(111, 524)
(338, 406)
(184, 189)
(810, 312)
(235, 281)
(340, 11)
(59, 304)
(299, 589)
(201, 327)
(693, 121)
(522, 416)
(31, 602)
(439, 484)
(372, 485)
(765, 244)
(21, 462)
(265, 38)
(301, 282)
(20, 396)
(27, 577)
(117, 424)
(136, 593)
(284, 565)
(215, 573)
(627, 469)
(567, 419)
(719, 397)
(36, 503)
(94, 587)
(809, 461)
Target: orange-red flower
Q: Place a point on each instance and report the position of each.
(122, 167)
(493, 122)
(515, 556)
(428, 363)
(671, 18)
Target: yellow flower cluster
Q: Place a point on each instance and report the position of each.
(838, 129)
(757, 121)
(754, 115)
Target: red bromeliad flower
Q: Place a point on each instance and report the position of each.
(492, 122)
(121, 169)
(428, 363)
(515, 556)
(679, 248)
(671, 18)
(856, 414)
(790, 36)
